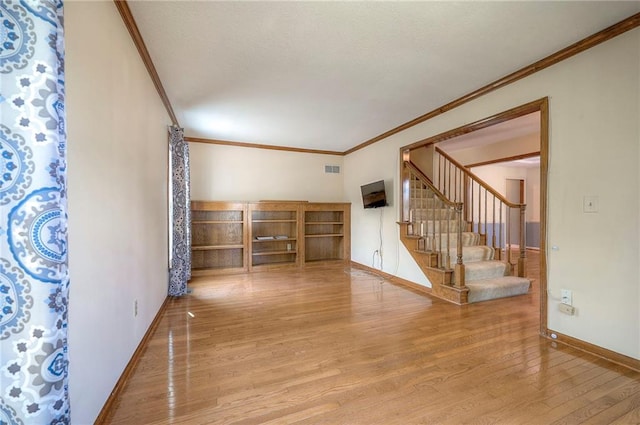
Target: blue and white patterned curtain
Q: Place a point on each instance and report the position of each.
(180, 271)
(34, 280)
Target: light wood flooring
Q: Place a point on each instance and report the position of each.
(334, 345)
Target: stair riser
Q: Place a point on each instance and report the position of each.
(498, 288)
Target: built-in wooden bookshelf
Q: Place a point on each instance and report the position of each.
(218, 237)
(326, 231)
(230, 237)
(274, 230)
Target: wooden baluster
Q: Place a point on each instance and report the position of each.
(448, 178)
(456, 171)
(508, 247)
(450, 194)
(479, 208)
(465, 213)
(500, 235)
(440, 236)
(444, 177)
(433, 225)
(459, 198)
(448, 254)
(437, 183)
(485, 215)
(493, 226)
(471, 206)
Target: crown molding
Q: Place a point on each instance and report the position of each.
(593, 40)
(130, 23)
(259, 146)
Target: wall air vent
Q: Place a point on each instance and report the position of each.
(332, 169)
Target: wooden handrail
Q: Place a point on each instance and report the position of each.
(481, 182)
(410, 165)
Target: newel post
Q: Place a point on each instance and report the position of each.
(406, 187)
(459, 267)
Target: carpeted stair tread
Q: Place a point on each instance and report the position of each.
(501, 287)
(482, 270)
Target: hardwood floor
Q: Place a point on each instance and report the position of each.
(334, 345)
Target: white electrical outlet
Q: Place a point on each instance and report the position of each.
(567, 296)
(590, 204)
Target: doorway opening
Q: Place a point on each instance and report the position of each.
(509, 149)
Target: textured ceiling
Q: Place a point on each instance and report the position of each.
(331, 75)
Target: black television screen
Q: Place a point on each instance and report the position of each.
(373, 195)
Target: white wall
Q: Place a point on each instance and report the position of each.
(594, 148)
(496, 176)
(220, 172)
(424, 158)
(379, 161)
(117, 156)
(532, 195)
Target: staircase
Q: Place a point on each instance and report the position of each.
(446, 230)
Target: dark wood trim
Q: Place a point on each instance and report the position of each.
(505, 159)
(596, 350)
(131, 25)
(259, 146)
(131, 366)
(544, 171)
(572, 50)
(393, 279)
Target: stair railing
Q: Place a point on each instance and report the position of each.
(486, 211)
(435, 222)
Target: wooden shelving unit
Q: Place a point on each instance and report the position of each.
(274, 229)
(327, 229)
(218, 237)
(236, 237)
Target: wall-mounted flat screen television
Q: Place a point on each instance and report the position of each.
(373, 195)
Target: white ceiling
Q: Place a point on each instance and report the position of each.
(332, 75)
